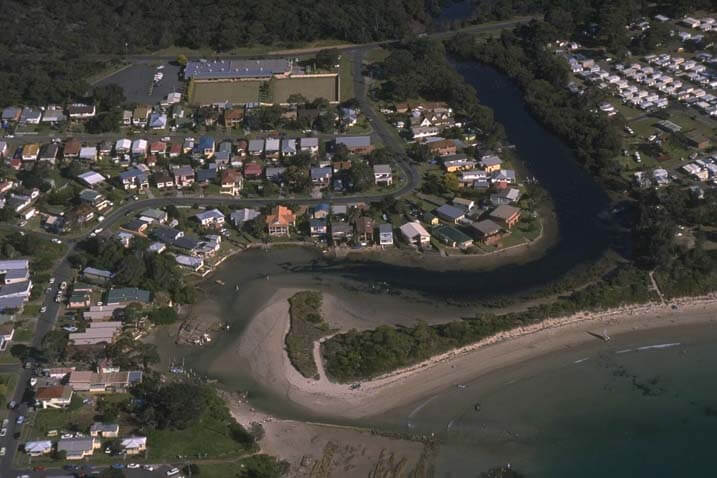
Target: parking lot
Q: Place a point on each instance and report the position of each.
(137, 82)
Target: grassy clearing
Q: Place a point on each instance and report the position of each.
(208, 438)
(307, 326)
(8, 382)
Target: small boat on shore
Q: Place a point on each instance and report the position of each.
(220, 282)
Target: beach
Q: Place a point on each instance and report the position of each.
(261, 348)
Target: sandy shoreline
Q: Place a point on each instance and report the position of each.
(262, 347)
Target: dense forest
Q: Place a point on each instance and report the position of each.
(50, 46)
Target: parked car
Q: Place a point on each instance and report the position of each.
(20, 420)
(173, 472)
(43, 309)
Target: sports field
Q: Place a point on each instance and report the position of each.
(247, 91)
(237, 92)
(309, 87)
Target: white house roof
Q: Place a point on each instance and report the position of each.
(212, 214)
(134, 442)
(42, 446)
(413, 229)
(91, 177)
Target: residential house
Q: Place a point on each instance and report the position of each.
(127, 295)
(206, 146)
(71, 149)
(38, 448)
(321, 177)
(272, 147)
(30, 116)
(487, 231)
(317, 227)
(78, 448)
(210, 218)
(424, 131)
(88, 153)
(97, 333)
(80, 111)
(231, 182)
(364, 230)
(385, 234)
(158, 148)
(11, 114)
(382, 174)
(98, 275)
(88, 381)
(158, 121)
(458, 162)
(233, 117)
(256, 147)
(134, 179)
(126, 118)
(139, 148)
(30, 152)
(134, 445)
(123, 146)
(506, 215)
(53, 114)
(349, 116)
(174, 150)
(163, 180)
(310, 145)
(288, 147)
(183, 176)
(136, 226)
(505, 196)
(341, 231)
(415, 233)
(321, 211)
(491, 163)
(356, 144)
(205, 176)
(49, 153)
(450, 213)
(140, 115)
(275, 173)
(240, 216)
(279, 221)
(104, 430)
(189, 262)
(91, 178)
(94, 199)
(444, 147)
(57, 396)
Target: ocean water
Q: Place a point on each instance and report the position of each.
(643, 404)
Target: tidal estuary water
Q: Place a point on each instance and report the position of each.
(640, 405)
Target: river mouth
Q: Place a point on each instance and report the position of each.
(406, 293)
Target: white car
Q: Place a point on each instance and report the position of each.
(52, 280)
(166, 138)
(148, 467)
(133, 466)
(100, 219)
(33, 381)
(3, 432)
(2, 451)
(98, 230)
(56, 240)
(92, 234)
(63, 285)
(43, 309)
(173, 472)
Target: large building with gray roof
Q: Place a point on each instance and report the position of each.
(236, 69)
